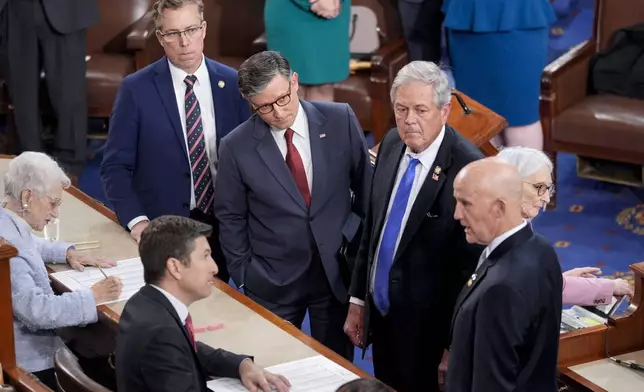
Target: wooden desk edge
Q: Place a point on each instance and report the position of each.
(22, 380)
(580, 379)
(239, 297)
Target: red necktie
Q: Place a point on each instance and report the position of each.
(191, 331)
(295, 165)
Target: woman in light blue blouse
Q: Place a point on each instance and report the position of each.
(33, 187)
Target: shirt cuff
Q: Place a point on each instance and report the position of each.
(356, 301)
(136, 220)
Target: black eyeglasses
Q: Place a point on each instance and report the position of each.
(542, 188)
(281, 101)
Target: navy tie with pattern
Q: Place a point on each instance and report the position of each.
(201, 175)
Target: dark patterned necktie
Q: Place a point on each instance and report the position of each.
(201, 176)
(296, 166)
(191, 331)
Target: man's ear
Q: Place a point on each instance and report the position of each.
(173, 266)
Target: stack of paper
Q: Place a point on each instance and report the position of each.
(314, 374)
(130, 272)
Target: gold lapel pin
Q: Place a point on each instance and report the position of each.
(221, 84)
(437, 171)
(469, 283)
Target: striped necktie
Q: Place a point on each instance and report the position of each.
(199, 165)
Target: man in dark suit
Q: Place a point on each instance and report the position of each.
(413, 259)
(156, 349)
(422, 23)
(505, 330)
(285, 204)
(56, 29)
(168, 119)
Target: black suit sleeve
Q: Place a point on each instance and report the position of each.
(501, 322)
(218, 362)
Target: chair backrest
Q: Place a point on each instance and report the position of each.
(612, 15)
(70, 376)
(388, 17)
(116, 17)
(233, 25)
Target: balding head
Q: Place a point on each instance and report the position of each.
(488, 199)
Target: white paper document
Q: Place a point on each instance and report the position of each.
(130, 272)
(314, 374)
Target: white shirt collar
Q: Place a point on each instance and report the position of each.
(299, 126)
(498, 240)
(428, 155)
(179, 307)
(179, 75)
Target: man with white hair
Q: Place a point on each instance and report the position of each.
(413, 259)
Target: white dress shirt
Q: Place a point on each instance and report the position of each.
(203, 92)
(426, 158)
(497, 241)
(301, 141)
(179, 307)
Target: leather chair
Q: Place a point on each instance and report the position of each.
(576, 120)
(70, 376)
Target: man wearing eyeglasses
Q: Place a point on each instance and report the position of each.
(166, 125)
(292, 189)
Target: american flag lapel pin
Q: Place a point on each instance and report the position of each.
(322, 135)
(437, 171)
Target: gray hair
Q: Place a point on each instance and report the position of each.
(162, 5)
(259, 70)
(428, 73)
(527, 160)
(34, 171)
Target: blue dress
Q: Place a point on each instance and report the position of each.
(498, 50)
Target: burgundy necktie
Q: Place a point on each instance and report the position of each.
(295, 165)
(191, 331)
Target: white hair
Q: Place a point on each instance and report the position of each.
(34, 171)
(527, 160)
(428, 73)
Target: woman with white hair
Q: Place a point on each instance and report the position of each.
(581, 286)
(33, 187)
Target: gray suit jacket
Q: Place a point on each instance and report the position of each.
(37, 311)
(267, 233)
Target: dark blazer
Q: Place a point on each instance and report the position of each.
(68, 16)
(154, 352)
(433, 260)
(505, 331)
(267, 233)
(146, 168)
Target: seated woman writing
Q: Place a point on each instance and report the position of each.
(581, 286)
(33, 187)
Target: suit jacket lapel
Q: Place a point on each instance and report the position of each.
(319, 155)
(429, 190)
(163, 81)
(272, 157)
(157, 296)
(218, 98)
(385, 180)
(511, 242)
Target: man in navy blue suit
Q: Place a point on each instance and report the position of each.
(284, 200)
(167, 122)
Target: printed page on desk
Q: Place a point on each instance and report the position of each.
(314, 374)
(130, 272)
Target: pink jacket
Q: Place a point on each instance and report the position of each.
(587, 291)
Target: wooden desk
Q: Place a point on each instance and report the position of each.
(473, 120)
(248, 328)
(582, 353)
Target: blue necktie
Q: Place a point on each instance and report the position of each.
(390, 237)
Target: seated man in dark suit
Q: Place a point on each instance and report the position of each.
(505, 329)
(156, 349)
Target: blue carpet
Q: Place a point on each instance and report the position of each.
(595, 224)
